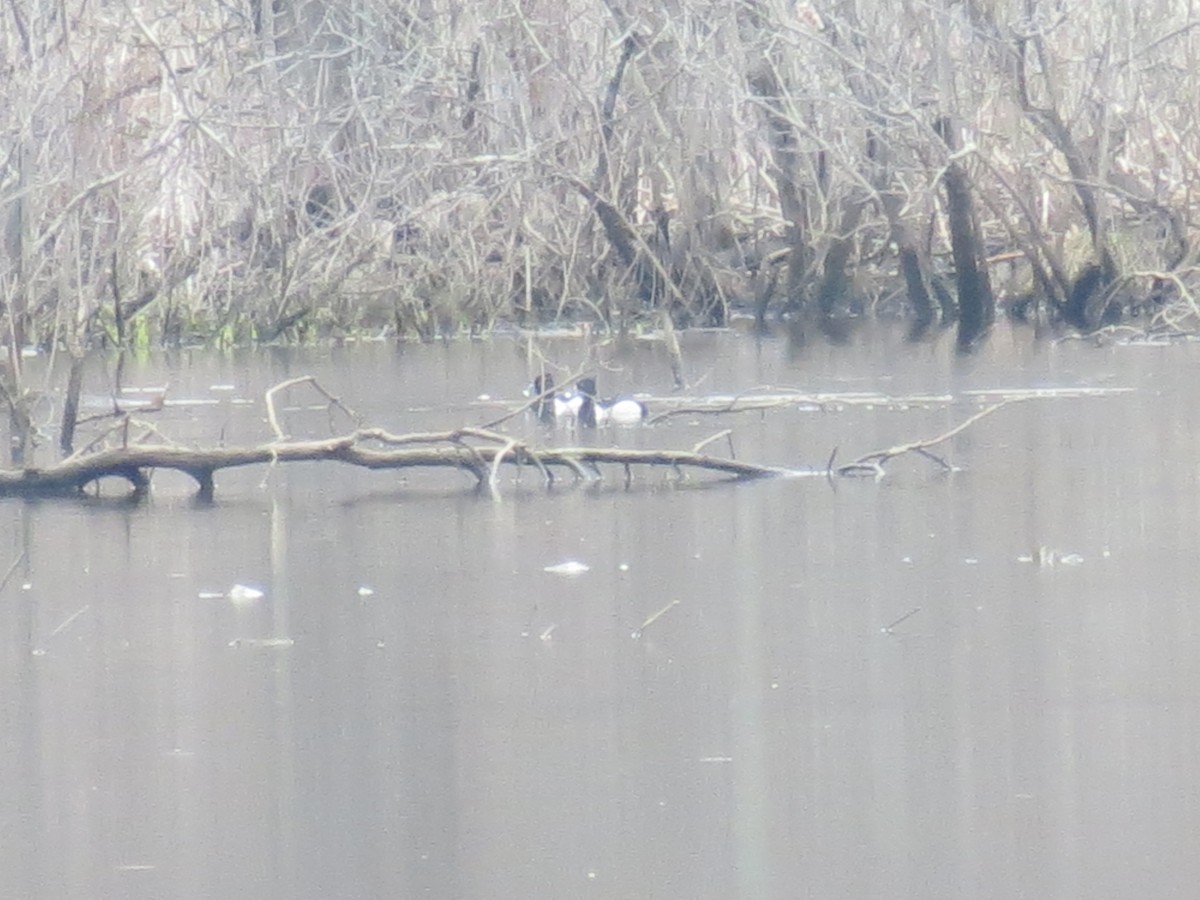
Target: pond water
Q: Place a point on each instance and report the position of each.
(978, 683)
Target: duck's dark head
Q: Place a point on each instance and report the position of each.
(587, 409)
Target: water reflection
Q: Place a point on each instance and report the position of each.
(415, 706)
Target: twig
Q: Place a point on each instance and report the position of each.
(708, 440)
(654, 618)
(887, 629)
(11, 569)
(65, 623)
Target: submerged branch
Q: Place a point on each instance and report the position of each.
(872, 463)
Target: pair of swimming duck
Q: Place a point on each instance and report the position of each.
(582, 405)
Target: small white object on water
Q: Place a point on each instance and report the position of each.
(484, 398)
(243, 593)
(262, 642)
(365, 591)
(624, 567)
(569, 568)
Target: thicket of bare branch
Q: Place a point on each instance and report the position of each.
(240, 169)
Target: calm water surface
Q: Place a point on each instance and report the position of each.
(415, 707)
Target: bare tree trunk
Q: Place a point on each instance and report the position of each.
(976, 305)
(70, 416)
(763, 78)
(1087, 294)
(835, 282)
(914, 263)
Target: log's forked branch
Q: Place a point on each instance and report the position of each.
(494, 472)
(728, 432)
(334, 403)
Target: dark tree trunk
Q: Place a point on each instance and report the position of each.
(1087, 296)
(835, 282)
(70, 416)
(976, 305)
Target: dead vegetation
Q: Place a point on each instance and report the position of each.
(292, 171)
(432, 167)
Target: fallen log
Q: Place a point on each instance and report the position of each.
(134, 463)
(478, 451)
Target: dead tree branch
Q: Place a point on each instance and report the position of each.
(872, 463)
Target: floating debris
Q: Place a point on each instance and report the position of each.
(545, 635)
(569, 568)
(244, 593)
(262, 642)
(890, 628)
(654, 618)
(71, 618)
(365, 591)
(1048, 559)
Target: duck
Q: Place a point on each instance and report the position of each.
(617, 411)
(552, 407)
